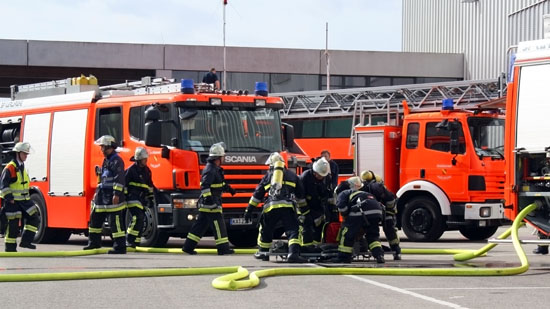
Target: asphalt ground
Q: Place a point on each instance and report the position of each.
(530, 289)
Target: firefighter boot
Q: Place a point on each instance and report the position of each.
(378, 254)
(261, 254)
(294, 254)
(119, 246)
(541, 250)
(94, 241)
(189, 247)
(396, 252)
(27, 245)
(26, 239)
(224, 249)
(343, 257)
(11, 248)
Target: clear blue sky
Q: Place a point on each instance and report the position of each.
(353, 24)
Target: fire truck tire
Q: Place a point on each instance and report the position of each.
(478, 233)
(422, 220)
(243, 238)
(43, 234)
(152, 236)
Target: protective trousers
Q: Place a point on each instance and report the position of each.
(351, 227)
(391, 231)
(268, 223)
(135, 228)
(311, 229)
(215, 221)
(28, 212)
(116, 223)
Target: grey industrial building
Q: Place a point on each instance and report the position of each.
(23, 62)
(485, 31)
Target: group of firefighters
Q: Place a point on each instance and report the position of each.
(303, 204)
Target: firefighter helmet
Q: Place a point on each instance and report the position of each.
(368, 176)
(106, 140)
(321, 167)
(274, 157)
(217, 150)
(355, 183)
(22, 147)
(140, 154)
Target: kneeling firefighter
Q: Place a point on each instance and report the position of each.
(210, 204)
(374, 185)
(361, 211)
(16, 198)
(139, 194)
(281, 185)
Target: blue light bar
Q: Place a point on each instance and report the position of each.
(448, 104)
(261, 89)
(187, 86)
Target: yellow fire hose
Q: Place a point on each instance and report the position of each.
(234, 274)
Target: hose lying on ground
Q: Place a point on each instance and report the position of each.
(234, 274)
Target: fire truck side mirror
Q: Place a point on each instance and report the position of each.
(288, 135)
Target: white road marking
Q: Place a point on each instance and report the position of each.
(406, 292)
(486, 288)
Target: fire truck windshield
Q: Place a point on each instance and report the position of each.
(487, 136)
(242, 130)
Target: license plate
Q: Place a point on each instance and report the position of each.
(239, 221)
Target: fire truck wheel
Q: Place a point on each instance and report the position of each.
(40, 235)
(243, 238)
(478, 233)
(152, 236)
(422, 220)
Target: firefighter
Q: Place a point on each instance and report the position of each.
(361, 211)
(109, 199)
(140, 194)
(374, 185)
(282, 186)
(16, 198)
(210, 204)
(319, 194)
(334, 169)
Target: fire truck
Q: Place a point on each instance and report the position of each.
(527, 143)
(176, 122)
(444, 161)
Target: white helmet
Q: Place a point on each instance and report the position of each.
(106, 140)
(321, 167)
(217, 150)
(355, 183)
(141, 153)
(22, 147)
(274, 157)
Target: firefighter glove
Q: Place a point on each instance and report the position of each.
(231, 190)
(248, 212)
(208, 200)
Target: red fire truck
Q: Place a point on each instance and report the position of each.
(61, 119)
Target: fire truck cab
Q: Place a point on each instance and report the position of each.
(446, 167)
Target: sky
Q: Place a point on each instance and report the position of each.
(353, 24)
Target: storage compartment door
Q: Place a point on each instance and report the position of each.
(369, 152)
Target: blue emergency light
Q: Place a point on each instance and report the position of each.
(448, 104)
(261, 89)
(187, 86)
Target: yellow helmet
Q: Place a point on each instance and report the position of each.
(367, 175)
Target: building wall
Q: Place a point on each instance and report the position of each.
(482, 30)
(285, 69)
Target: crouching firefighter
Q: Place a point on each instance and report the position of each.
(280, 184)
(210, 204)
(361, 211)
(17, 200)
(109, 199)
(374, 185)
(139, 194)
(320, 202)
